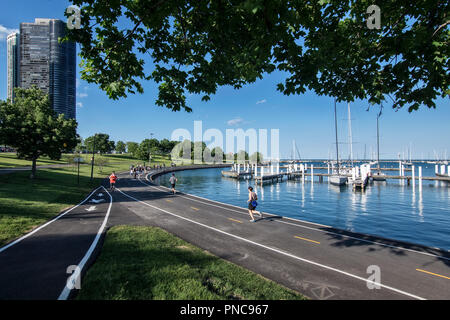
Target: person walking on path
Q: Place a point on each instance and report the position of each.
(112, 181)
(173, 180)
(252, 197)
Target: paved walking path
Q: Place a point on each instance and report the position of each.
(318, 261)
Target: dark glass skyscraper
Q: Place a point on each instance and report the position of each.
(48, 64)
(12, 53)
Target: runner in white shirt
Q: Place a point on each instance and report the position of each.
(172, 181)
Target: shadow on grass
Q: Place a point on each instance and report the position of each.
(148, 263)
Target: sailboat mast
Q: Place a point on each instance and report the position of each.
(378, 143)
(335, 125)
(350, 132)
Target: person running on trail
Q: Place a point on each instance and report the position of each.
(112, 181)
(252, 197)
(172, 181)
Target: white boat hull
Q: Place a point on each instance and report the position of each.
(338, 180)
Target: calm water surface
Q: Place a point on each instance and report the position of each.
(392, 209)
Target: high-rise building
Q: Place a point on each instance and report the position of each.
(12, 65)
(49, 64)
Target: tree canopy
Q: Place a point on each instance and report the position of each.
(325, 46)
(121, 146)
(132, 148)
(102, 143)
(31, 126)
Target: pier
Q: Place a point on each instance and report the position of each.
(358, 177)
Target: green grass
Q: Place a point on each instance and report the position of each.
(143, 263)
(27, 203)
(9, 160)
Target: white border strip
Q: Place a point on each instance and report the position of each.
(73, 278)
(46, 224)
(276, 250)
(302, 226)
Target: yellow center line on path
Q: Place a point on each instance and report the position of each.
(194, 208)
(434, 274)
(307, 239)
(169, 200)
(234, 220)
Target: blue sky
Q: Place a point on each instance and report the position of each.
(308, 119)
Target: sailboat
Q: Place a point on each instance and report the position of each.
(378, 176)
(336, 178)
(350, 134)
(407, 162)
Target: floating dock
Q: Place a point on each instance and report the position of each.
(358, 177)
(237, 175)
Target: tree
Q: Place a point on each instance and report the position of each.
(257, 157)
(102, 143)
(147, 147)
(132, 148)
(197, 149)
(31, 126)
(80, 147)
(101, 162)
(166, 146)
(182, 152)
(218, 155)
(241, 156)
(120, 146)
(325, 46)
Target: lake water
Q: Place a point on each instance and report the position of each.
(392, 209)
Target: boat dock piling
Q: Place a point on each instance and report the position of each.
(358, 177)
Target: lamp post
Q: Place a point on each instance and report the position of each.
(92, 160)
(150, 150)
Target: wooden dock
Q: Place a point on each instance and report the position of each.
(237, 175)
(409, 178)
(269, 178)
(326, 168)
(360, 183)
(357, 184)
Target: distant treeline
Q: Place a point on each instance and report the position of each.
(101, 143)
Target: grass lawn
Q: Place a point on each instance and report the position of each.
(27, 203)
(9, 160)
(143, 263)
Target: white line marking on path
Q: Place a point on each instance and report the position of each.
(91, 208)
(73, 279)
(276, 250)
(46, 224)
(300, 226)
(97, 200)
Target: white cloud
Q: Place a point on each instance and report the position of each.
(79, 105)
(261, 101)
(5, 31)
(82, 95)
(235, 122)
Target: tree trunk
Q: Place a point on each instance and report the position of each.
(33, 169)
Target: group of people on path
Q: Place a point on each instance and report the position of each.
(134, 170)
